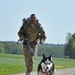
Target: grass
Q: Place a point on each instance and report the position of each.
(10, 64)
(64, 63)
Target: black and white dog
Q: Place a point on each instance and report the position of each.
(46, 66)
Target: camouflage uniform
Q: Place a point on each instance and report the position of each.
(32, 34)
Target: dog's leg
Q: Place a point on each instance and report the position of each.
(43, 67)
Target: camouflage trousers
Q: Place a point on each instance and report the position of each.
(29, 56)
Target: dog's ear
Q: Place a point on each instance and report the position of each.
(50, 57)
(43, 56)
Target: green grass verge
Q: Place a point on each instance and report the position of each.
(10, 64)
(61, 63)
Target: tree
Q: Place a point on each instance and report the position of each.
(70, 45)
(2, 49)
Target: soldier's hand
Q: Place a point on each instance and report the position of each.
(42, 41)
(22, 38)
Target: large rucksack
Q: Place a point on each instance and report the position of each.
(26, 21)
(25, 25)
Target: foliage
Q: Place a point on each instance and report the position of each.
(54, 50)
(2, 49)
(70, 46)
(10, 47)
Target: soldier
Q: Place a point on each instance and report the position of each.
(32, 31)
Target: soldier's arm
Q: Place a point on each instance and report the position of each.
(42, 34)
(21, 33)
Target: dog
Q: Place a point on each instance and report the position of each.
(46, 66)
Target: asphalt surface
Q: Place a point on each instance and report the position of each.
(68, 71)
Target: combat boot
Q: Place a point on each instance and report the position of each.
(28, 73)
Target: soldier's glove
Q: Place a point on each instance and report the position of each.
(42, 41)
(25, 42)
(31, 51)
(22, 38)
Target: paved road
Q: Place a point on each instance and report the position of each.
(69, 71)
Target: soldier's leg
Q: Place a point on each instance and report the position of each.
(26, 56)
(31, 57)
(30, 63)
(28, 59)
(26, 53)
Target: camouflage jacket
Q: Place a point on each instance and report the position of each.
(32, 33)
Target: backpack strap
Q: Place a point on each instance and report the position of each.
(38, 26)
